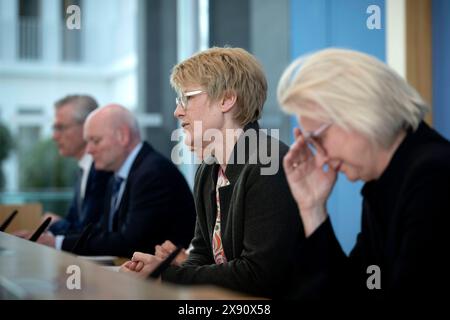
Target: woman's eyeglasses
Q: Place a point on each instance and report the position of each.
(313, 137)
(183, 99)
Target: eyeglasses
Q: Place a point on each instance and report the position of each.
(313, 137)
(63, 127)
(183, 99)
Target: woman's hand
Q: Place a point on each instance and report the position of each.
(141, 265)
(309, 184)
(162, 251)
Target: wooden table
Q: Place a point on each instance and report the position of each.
(33, 271)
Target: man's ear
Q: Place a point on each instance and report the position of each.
(228, 101)
(123, 135)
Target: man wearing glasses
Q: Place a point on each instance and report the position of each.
(89, 192)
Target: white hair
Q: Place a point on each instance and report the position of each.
(353, 90)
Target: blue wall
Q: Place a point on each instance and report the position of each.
(316, 24)
(441, 66)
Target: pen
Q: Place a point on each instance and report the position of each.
(8, 220)
(40, 230)
(165, 263)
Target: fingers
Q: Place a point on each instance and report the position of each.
(319, 149)
(297, 133)
(331, 173)
(127, 266)
(298, 153)
(162, 251)
(183, 254)
(169, 246)
(142, 263)
(139, 266)
(22, 233)
(132, 265)
(181, 257)
(143, 257)
(140, 256)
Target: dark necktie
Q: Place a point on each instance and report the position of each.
(114, 200)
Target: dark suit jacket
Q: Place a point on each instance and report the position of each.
(403, 231)
(156, 205)
(92, 206)
(260, 224)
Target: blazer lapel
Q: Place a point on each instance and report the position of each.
(210, 203)
(123, 205)
(87, 192)
(232, 173)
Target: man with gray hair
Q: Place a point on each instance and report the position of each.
(148, 200)
(88, 200)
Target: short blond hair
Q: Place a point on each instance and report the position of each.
(353, 90)
(221, 70)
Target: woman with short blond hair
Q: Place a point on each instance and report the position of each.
(248, 229)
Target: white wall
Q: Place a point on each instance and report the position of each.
(396, 35)
(108, 71)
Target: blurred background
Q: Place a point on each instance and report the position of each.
(124, 50)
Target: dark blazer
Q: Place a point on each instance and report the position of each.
(156, 205)
(91, 208)
(403, 232)
(260, 224)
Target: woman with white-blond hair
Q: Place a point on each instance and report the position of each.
(358, 117)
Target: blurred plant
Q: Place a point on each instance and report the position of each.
(6, 145)
(43, 168)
